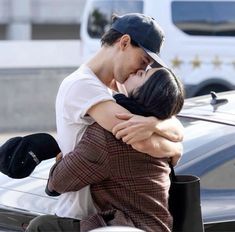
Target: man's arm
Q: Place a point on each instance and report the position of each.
(87, 164)
(129, 130)
(137, 129)
(104, 113)
(164, 142)
(133, 128)
(103, 109)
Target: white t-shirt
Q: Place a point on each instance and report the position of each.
(77, 93)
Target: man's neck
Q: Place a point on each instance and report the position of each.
(102, 67)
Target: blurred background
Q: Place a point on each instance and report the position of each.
(42, 41)
(37, 42)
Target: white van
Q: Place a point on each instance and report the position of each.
(200, 37)
(199, 47)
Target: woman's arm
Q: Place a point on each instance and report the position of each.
(160, 147)
(87, 164)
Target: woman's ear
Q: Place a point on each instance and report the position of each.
(124, 42)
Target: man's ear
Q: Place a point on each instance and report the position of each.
(124, 42)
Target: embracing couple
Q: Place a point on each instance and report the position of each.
(117, 132)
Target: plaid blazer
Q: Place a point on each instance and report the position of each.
(127, 187)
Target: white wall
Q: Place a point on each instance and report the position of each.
(35, 54)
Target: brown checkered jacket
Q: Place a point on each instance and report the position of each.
(130, 186)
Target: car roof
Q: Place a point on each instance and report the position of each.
(222, 111)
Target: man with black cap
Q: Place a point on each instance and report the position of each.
(84, 97)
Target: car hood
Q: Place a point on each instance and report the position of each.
(28, 193)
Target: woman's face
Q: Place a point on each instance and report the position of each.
(136, 80)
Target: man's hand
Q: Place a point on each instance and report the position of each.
(135, 128)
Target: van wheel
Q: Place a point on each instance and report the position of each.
(215, 88)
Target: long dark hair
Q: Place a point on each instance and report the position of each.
(162, 96)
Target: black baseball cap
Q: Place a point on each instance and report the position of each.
(144, 30)
(20, 155)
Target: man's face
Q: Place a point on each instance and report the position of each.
(129, 60)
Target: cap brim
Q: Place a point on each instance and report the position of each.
(158, 62)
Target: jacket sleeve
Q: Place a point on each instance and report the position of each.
(87, 164)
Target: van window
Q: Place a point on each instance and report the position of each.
(210, 18)
(100, 16)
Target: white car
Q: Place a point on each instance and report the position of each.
(209, 152)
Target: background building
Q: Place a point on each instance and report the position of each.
(40, 19)
(39, 47)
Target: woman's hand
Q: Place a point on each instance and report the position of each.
(160, 147)
(59, 157)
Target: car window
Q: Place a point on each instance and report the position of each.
(211, 18)
(100, 17)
